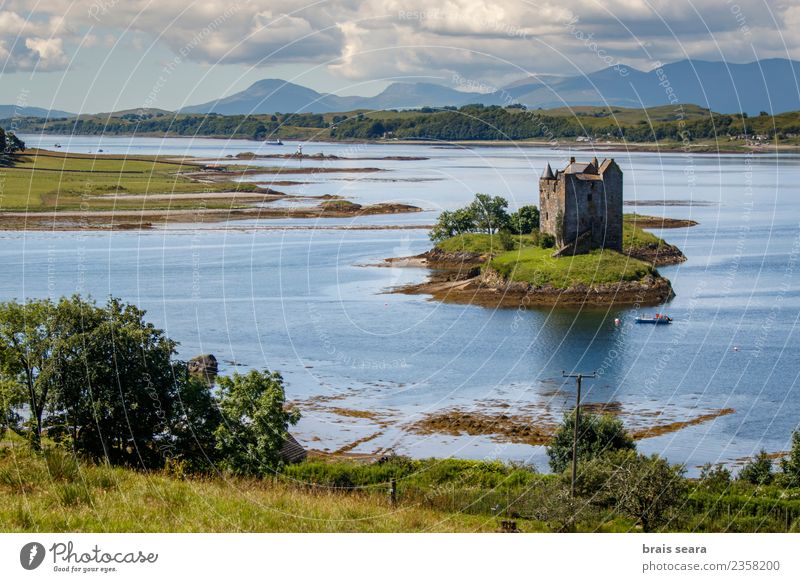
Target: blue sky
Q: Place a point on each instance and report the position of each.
(102, 55)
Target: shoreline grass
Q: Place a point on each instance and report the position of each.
(39, 180)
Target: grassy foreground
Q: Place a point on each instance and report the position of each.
(40, 180)
(54, 493)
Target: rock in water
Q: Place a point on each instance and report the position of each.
(204, 367)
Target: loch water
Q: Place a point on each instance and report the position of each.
(307, 302)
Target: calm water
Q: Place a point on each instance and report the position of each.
(303, 301)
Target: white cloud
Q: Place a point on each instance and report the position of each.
(367, 39)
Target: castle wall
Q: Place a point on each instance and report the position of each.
(612, 181)
(551, 200)
(591, 206)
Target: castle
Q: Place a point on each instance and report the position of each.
(581, 206)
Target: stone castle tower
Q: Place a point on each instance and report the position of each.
(581, 206)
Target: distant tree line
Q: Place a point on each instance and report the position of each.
(257, 127)
(478, 122)
(105, 383)
(469, 122)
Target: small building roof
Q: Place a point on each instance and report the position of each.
(292, 451)
(548, 173)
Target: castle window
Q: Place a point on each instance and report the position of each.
(545, 216)
(589, 197)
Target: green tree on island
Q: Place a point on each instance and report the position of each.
(487, 215)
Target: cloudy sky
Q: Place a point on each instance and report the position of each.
(101, 55)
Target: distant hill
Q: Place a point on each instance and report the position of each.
(770, 85)
(274, 95)
(9, 111)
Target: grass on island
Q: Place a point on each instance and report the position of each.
(537, 266)
(633, 236)
(519, 258)
(39, 180)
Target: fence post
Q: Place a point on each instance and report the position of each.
(393, 491)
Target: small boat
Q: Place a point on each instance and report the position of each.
(659, 319)
(273, 142)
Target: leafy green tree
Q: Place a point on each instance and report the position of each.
(489, 213)
(648, 489)
(196, 420)
(255, 422)
(27, 340)
(10, 143)
(758, 471)
(113, 384)
(452, 223)
(525, 220)
(597, 435)
(790, 466)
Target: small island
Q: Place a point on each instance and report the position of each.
(579, 249)
(51, 190)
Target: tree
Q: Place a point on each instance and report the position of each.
(489, 213)
(196, 420)
(27, 340)
(790, 466)
(254, 422)
(648, 489)
(758, 471)
(597, 435)
(525, 220)
(98, 376)
(114, 385)
(10, 143)
(452, 223)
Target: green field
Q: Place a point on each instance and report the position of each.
(40, 180)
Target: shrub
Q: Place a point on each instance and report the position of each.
(758, 471)
(506, 241)
(714, 478)
(647, 489)
(547, 241)
(597, 435)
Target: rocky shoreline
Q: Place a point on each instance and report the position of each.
(489, 289)
(462, 278)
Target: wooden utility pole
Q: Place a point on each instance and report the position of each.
(578, 378)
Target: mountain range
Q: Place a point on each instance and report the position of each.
(9, 111)
(768, 85)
